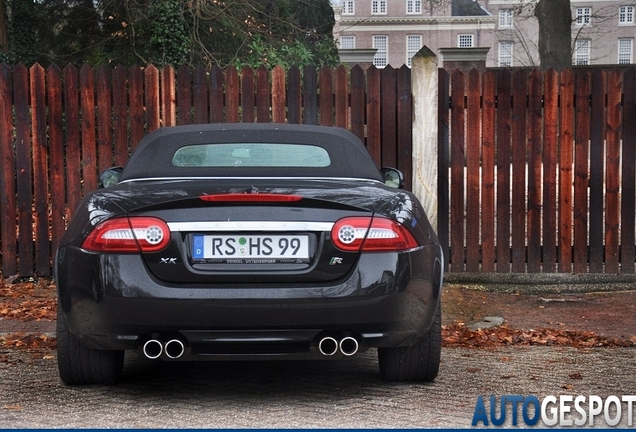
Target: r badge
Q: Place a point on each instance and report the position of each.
(335, 260)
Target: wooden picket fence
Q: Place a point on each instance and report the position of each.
(60, 128)
(542, 170)
(537, 170)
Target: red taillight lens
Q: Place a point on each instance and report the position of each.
(371, 235)
(126, 235)
(251, 197)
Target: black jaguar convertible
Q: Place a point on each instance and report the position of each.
(244, 242)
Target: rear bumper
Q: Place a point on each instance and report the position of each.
(111, 302)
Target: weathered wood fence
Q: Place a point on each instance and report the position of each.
(542, 170)
(537, 170)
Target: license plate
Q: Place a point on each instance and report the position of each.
(250, 249)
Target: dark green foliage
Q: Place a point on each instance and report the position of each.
(168, 42)
(170, 32)
(23, 38)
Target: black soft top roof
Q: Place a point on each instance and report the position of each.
(153, 156)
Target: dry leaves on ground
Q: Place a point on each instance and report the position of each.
(458, 335)
(30, 300)
(28, 341)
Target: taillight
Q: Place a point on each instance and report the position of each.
(368, 234)
(135, 234)
(251, 197)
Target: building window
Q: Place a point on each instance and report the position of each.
(413, 45)
(381, 44)
(348, 7)
(413, 6)
(505, 54)
(505, 18)
(625, 51)
(582, 49)
(583, 16)
(465, 41)
(378, 7)
(626, 15)
(347, 42)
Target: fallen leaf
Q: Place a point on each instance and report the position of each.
(576, 375)
(567, 387)
(472, 370)
(13, 407)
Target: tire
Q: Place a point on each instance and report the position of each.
(418, 362)
(79, 365)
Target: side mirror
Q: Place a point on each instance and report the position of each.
(393, 177)
(110, 177)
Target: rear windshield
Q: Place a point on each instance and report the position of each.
(251, 155)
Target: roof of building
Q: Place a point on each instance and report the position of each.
(468, 8)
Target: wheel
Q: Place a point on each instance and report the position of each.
(418, 362)
(79, 365)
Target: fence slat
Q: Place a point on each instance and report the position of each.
(168, 93)
(405, 125)
(550, 151)
(373, 115)
(310, 106)
(231, 95)
(294, 102)
(200, 95)
(473, 166)
(566, 160)
(72, 126)
(56, 153)
(216, 95)
(535, 121)
(388, 117)
(628, 206)
(247, 95)
(262, 95)
(342, 96)
(612, 169)
(24, 170)
(326, 96)
(519, 147)
(443, 162)
(504, 129)
(596, 173)
(152, 99)
(278, 95)
(581, 176)
(488, 173)
(184, 96)
(103, 100)
(120, 115)
(8, 221)
(357, 102)
(136, 92)
(457, 172)
(89, 151)
(40, 171)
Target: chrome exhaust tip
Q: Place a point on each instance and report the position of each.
(328, 346)
(174, 348)
(349, 346)
(153, 349)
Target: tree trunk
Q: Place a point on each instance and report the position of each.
(555, 33)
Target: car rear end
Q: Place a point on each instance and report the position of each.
(317, 271)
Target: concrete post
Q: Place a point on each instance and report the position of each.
(424, 85)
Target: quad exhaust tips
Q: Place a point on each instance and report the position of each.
(173, 349)
(329, 346)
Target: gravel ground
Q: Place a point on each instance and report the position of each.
(329, 394)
